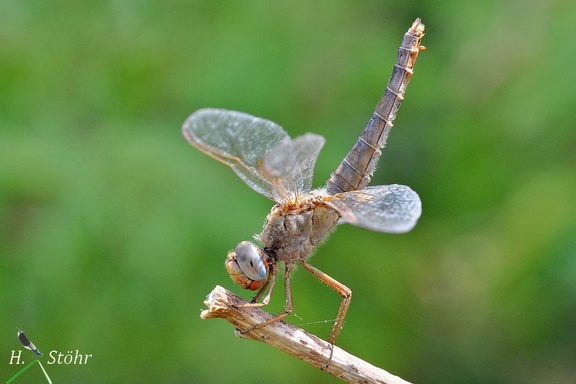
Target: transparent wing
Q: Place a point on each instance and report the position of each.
(290, 164)
(306, 149)
(384, 208)
(236, 139)
(258, 150)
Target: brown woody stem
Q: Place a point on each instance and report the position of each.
(292, 340)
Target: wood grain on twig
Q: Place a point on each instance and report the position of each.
(292, 340)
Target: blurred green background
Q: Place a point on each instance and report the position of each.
(113, 229)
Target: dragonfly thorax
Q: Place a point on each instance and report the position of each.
(291, 235)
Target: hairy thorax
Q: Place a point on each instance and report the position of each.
(291, 232)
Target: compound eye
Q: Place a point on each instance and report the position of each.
(251, 261)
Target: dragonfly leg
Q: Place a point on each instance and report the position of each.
(269, 285)
(287, 310)
(342, 290)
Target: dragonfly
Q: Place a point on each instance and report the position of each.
(26, 343)
(280, 168)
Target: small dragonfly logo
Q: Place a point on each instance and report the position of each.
(26, 343)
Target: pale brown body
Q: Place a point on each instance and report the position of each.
(264, 157)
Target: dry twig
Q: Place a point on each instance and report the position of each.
(292, 340)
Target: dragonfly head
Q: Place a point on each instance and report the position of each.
(247, 266)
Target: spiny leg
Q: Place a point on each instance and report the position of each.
(342, 290)
(287, 310)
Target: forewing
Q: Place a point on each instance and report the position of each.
(306, 149)
(236, 139)
(384, 208)
(291, 164)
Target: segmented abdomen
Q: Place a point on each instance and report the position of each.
(356, 169)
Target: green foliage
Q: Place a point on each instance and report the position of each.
(113, 229)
